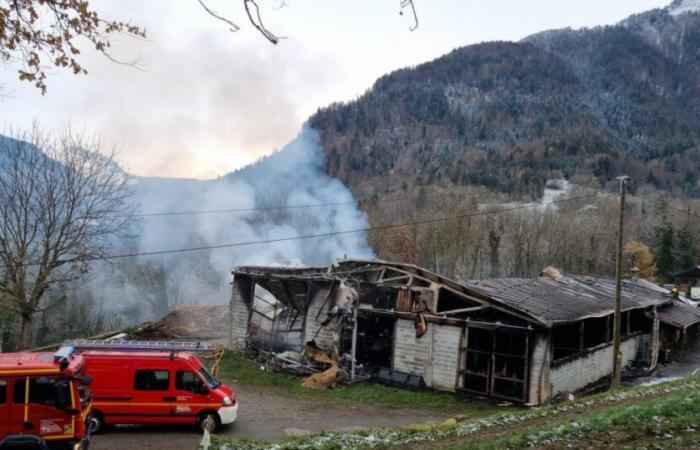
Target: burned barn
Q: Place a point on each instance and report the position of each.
(522, 340)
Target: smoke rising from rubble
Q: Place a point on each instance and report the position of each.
(149, 286)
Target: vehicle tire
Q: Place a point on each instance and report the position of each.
(97, 422)
(208, 417)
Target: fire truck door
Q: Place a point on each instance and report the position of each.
(43, 407)
(192, 394)
(5, 409)
(152, 395)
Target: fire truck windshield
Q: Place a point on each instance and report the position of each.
(213, 382)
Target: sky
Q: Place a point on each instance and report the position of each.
(204, 101)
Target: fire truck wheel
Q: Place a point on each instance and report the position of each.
(208, 419)
(97, 422)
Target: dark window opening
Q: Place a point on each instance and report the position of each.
(375, 339)
(510, 343)
(566, 340)
(381, 297)
(639, 321)
(496, 363)
(394, 274)
(595, 332)
(448, 300)
(478, 363)
(49, 391)
(188, 381)
(509, 367)
(3, 391)
(151, 380)
(420, 282)
(479, 339)
(508, 388)
(476, 383)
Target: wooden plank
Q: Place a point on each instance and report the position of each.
(463, 310)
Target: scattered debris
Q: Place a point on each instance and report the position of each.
(188, 322)
(328, 377)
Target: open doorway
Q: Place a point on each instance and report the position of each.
(375, 341)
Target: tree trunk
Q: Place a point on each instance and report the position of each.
(25, 337)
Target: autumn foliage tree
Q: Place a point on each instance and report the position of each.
(38, 34)
(639, 256)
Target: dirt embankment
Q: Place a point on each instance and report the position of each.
(200, 323)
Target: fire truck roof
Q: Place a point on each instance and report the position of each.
(39, 363)
(141, 355)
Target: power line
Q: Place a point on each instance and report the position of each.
(318, 235)
(283, 207)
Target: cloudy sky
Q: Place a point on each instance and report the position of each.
(207, 101)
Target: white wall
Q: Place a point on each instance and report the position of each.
(239, 313)
(433, 355)
(581, 372)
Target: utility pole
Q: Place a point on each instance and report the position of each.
(618, 285)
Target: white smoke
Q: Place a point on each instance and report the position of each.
(147, 286)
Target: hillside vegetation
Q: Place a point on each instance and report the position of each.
(585, 104)
(490, 124)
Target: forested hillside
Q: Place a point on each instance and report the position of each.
(585, 104)
(489, 124)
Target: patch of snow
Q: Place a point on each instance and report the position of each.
(660, 380)
(554, 189)
(684, 6)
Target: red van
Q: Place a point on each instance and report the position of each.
(45, 395)
(149, 383)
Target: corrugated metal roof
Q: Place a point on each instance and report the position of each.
(679, 315)
(567, 299)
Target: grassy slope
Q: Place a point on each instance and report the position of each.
(667, 422)
(661, 416)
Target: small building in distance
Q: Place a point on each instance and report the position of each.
(688, 283)
(522, 340)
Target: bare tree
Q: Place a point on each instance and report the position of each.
(252, 10)
(61, 200)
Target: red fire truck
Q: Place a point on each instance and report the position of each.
(151, 382)
(47, 395)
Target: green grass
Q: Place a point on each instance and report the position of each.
(245, 372)
(672, 420)
(660, 416)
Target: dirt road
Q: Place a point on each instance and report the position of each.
(267, 415)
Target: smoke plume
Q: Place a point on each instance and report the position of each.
(149, 286)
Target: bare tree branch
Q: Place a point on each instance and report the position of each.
(233, 26)
(409, 3)
(257, 22)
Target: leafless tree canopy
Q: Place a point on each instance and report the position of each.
(60, 201)
(36, 34)
(252, 10)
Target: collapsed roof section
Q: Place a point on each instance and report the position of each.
(549, 300)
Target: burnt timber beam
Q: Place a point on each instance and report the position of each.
(464, 310)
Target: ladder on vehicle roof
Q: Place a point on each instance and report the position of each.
(171, 346)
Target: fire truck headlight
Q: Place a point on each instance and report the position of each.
(228, 401)
(78, 446)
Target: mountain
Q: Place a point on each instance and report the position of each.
(583, 104)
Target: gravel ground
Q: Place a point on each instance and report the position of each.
(267, 415)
